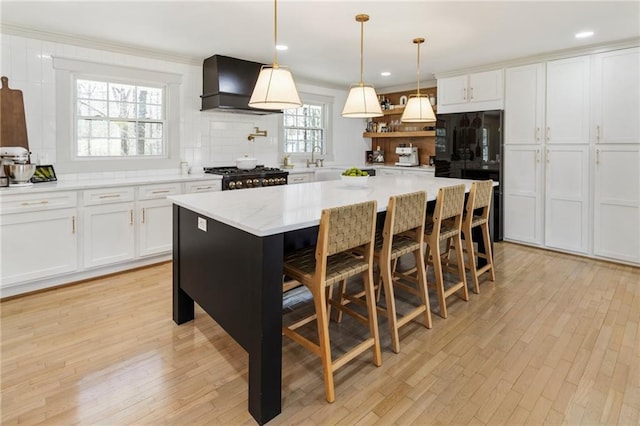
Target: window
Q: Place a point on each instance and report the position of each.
(113, 118)
(119, 120)
(307, 129)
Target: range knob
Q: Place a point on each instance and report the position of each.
(238, 184)
(272, 181)
(232, 185)
(256, 182)
(283, 181)
(249, 183)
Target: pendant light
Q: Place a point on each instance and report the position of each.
(275, 88)
(362, 101)
(418, 108)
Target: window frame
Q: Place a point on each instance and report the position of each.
(67, 73)
(108, 119)
(326, 103)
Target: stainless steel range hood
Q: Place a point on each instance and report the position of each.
(227, 84)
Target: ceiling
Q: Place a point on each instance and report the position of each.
(324, 38)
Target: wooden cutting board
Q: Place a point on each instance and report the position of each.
(13, 126)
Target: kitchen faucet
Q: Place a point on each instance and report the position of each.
(318, 162)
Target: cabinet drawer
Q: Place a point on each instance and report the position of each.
(203, 186)
(92, 197)
(36, 202)
(299, 178)
(150, 192)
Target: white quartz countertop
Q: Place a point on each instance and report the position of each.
(276, 209)
(79, 183)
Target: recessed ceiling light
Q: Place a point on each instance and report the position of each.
(385, 73)
(584, 34)
(282, 47)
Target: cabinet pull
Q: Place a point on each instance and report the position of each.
(34, 203)
(471, 93)
(73, 224)
(143, 215)
(537, 155)
(199, 188)
(109, 196)
(547, 155)
(164, 191)
(538, 134)
(597, 156)
(131, 217)
(548, 135)
(598, 134)
(464, 93)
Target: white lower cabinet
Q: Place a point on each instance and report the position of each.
(154, 227)
(617, 202)
(108, 234)
(523, 185)
(37, 245)
(567, 197)
(299, 178)
(389, 172)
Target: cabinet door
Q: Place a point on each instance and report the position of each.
(524, 105)
(616, 96)
(523, 194)
(567, 104)
(108, 234)
(300, 178)
(452, 90)
(38, 245)
(389, 172)
(155, 227)
(617, 202)
(567, 197)
(485, 86)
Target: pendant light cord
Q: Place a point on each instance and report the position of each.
(275, 33)
(361, 50)
(418, 72)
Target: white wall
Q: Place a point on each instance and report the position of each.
(206, 138)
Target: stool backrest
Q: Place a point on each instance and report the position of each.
(449, 203)
(346, 227)
(407, 211)
(479, 198)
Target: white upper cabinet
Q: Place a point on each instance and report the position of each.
(471, 92)
(616, 96)
(524, 105)
(567, 106)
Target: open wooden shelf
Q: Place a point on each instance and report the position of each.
(420, 133)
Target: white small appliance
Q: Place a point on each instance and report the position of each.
(407, 156)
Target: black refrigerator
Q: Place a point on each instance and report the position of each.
(469, 146)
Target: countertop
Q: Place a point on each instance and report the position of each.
(276, 209)
(79, 183)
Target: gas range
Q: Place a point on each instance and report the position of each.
(235, 178)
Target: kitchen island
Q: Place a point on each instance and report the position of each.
(228, 250)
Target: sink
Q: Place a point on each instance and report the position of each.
(327, 174)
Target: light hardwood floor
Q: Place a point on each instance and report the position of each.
(555, 340)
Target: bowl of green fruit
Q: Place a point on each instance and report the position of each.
(354, 177)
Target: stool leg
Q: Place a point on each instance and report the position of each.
(422, 286)
(367, 278)
(387, 281)
(468, 240)
(461, 274)
(341, 290)
(487, 249)
(325, 345)
(437, 271)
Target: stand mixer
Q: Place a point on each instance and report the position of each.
(16, 168)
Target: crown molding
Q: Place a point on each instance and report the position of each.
(91, 43)
(549, 56)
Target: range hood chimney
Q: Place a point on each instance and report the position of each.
(227, 84)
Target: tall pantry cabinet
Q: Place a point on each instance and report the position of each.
(572, 132)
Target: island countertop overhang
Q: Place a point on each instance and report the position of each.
(277, 209)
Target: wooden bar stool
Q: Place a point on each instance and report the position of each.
(446, 224)
(342, 229)
(479, 199)
(403, 233)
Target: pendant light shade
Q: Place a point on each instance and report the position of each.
(362, 101)
(418, 108)
(275, 88)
